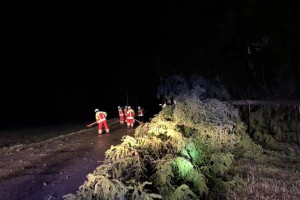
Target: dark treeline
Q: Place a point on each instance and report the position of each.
(253, 45)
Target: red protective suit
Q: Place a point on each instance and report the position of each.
(101, 120)
(125, 113)
(121, 115)
(130, 118)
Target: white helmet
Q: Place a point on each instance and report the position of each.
(139, 107)
(119, 107)
(96, 110)
(129, 107)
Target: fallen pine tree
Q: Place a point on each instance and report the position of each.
(185, 152)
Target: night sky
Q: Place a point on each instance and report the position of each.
(62, 61)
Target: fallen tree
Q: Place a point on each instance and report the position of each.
(187, 151)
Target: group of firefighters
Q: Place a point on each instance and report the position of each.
(126, 115)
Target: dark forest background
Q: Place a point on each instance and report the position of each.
(61, 61)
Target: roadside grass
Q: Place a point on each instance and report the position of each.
(267, 177)
(36, 134)
(25, 136)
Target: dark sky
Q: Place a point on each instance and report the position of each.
(61, 61)
(64, 60)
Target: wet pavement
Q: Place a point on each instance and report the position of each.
(56, 167)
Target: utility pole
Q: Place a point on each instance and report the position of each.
(127, 97)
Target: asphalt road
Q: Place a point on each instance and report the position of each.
(56, 167)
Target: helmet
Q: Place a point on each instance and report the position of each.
(96, 110)
(119, 107)
(126, 107)
(139, 107)
(129, 107)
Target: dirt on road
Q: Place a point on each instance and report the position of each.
(55, 167)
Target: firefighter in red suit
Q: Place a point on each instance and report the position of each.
(130, 117)
(101, 120)
(121, 115)
(141, 114)
(125, 113)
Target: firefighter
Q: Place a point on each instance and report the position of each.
(141, 114)
(130, 117)
(121, 114)
(125, 113)
(101, 120)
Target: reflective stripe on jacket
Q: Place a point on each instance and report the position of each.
(101, 116)
(130, 114)
(140, 112)
(121, 112)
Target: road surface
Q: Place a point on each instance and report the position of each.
(56, 167)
